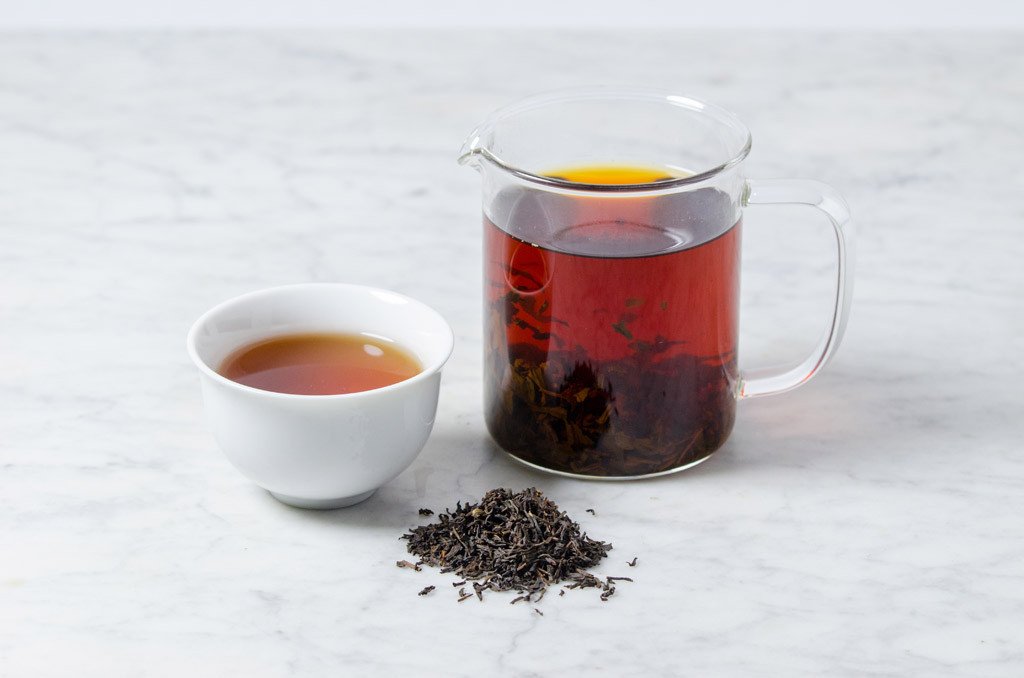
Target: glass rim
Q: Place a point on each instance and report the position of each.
(474, 145)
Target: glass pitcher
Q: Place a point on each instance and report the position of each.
(611, 279)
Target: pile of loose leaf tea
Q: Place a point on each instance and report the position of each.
(510, 541)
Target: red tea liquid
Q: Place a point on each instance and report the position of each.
(612, 341)
(320, 364)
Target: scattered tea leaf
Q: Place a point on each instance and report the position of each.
(425, 591)
(621, 328)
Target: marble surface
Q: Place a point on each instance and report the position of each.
(869, 523)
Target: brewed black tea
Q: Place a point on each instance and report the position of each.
(612, 343)
(320, 364)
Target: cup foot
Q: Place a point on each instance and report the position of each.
(321, 504)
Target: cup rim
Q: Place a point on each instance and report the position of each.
(427, 371)
(474, 145)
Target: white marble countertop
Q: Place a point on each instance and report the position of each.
(869, 523)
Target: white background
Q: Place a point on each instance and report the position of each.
(871, 14)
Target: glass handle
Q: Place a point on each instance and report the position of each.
(769, 381)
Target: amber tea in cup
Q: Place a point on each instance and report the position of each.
(329, 443)
(320, 364)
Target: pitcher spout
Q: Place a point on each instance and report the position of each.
(471, 150)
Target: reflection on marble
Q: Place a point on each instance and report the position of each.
(867, 524)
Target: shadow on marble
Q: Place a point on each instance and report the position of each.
(383, 509)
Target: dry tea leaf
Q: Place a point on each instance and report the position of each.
(518, 541)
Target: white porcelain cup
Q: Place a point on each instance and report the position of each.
(321, 451)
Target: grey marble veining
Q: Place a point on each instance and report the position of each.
(866, 524)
